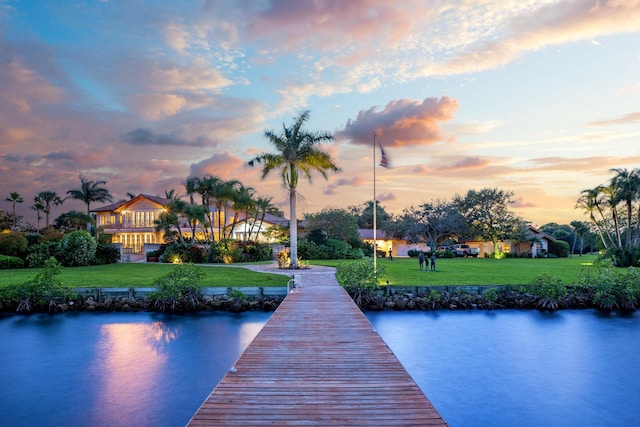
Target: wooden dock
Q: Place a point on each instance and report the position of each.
(317, 361)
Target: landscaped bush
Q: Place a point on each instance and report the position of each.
(253, 252)
(7, 262)
(13, 244)
(40, 253)
(106, 253)
(332, 249)
(77, 248)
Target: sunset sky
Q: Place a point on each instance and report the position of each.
(537, 97)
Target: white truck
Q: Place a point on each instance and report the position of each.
(462, 250)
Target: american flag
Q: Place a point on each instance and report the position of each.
(384, 161)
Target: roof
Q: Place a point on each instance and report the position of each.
(124, 203)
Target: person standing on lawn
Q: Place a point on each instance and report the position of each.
(433, 261)
(421, 260)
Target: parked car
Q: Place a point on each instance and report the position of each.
(444, 248)
(462, 250)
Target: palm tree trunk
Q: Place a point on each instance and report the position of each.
(293, 229)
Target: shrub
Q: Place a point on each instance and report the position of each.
(253, 252)
(181, 285)
(77, 248)
(359, 279)
(559, 248)
(40, 253)
(612, 289)
(106, 253)
(7, 262)
(549, 290)
(13, 244)
(44, 290)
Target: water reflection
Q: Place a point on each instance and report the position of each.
(131, 360)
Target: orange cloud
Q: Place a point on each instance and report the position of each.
(402, 122)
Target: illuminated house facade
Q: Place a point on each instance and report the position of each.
(132, 223)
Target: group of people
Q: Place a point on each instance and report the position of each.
(424, 261)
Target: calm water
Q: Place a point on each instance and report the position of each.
(521, 368)
(502, 368)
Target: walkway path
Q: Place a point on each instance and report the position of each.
(317, 361)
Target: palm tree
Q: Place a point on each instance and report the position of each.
(38, 207)
(592, 202)
(48, 198)
(224, 193)
(196, 214)
(176, 207)
(89, 192)
(262, 205)
(296, 151)
(242, 201)
(627, 190)
(14, 198)
(206, 187)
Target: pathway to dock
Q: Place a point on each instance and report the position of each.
(317, 361)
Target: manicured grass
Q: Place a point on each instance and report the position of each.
(400, 271)
(479, 271)
(142, 275)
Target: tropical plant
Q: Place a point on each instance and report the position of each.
(14, 198)
(13, 244)
(89, 192)
(296, 151)
(38, 206)
(614, 211)
(47, 199)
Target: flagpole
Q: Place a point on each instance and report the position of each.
(375, 245)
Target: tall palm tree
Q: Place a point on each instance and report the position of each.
(191, 186)
(176, 207)
(14, 198)
(262, 206)
(38, 207)
(206, 187)
(627, 191)
(48, 198)
(242, 201)
(196, 214)
(89, 192)
(224, 192)
(296, 151)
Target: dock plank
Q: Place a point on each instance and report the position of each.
(317, 361)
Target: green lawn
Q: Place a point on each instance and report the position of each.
(142, 275)
(400, 271)
(479, 271)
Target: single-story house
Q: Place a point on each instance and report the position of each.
(536, 245)
(386, 243)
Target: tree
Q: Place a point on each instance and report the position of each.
(89, 192)
(38, 207)
(487, 214)
(48, 198)
(614, 211)
(72, 221)
(14, 198)
(337, 224)
(364, 215)
(176, 207)
(261, 207)
(196, 214)
(581, 228)
(431, 222)
(296, 151)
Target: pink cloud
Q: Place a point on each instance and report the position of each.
(401, 122)
(626, 119)
(467, 163)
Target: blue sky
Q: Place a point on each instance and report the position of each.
(540, 98)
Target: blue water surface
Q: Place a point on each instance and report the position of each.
(521, 368)
(501, 368)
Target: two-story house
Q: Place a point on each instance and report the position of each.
(132, 223)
